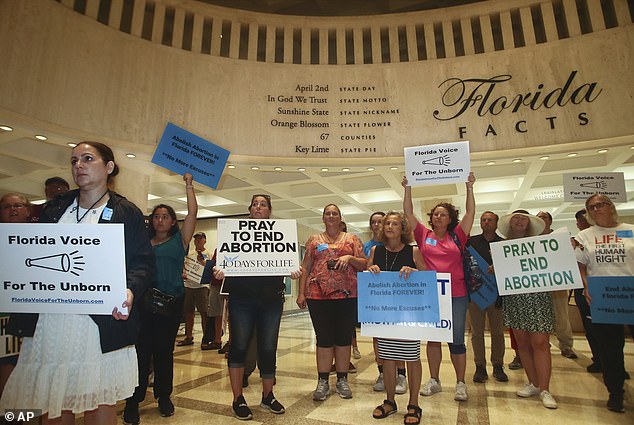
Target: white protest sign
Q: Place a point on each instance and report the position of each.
(193, 269)
(251, 247)
(437, 164)
(9, 344)
(62, 268)
(440, 332)
(537, 264)
(578, 187)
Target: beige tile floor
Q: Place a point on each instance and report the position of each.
(202, 394)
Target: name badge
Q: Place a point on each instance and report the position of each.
(322, 247)
(624, 234)
(430, 241)
(107, 213)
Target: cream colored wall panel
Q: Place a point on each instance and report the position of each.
(197, 33)
(177, 32)
(596, 15)
(572, 19)
(467, 36)
(306, 47)
(253, 41)
(216, 36)
(394, 44)
(270, 43)
(450, 45)
(430, 40)
(622, 12)
(158, 22)
(375, 36)
(507, 29)
(137, 17)
(340, 35)
(357, 36)
(114, 20)
(527, 26)
(550, 26)
(234, 47)
(69, 3)
(323, 46)
(412, 43)
(487, 33)
(92, 8)
(288, 44)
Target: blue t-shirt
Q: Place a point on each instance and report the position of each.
(169, 257)
(367, 247)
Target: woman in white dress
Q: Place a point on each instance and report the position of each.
(79, 363)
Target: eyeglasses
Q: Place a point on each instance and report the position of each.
(9, 206)
(597, 206)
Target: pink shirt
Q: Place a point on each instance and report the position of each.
(443, 255)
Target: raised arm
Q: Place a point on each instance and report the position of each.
(189, 225)
(467, 219)
(408, 206)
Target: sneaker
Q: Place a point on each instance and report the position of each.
(568, 353)
(528, 390)
(166, 407)
(595, 368)
(615, 403)
(184, 342)
(322, 391)
(480, 374)
(401, 384)
(356, 353)
(241, 410)
(461, 392)
(225, 348)
(516, 363)
(352, 368)
(131, 413)
(499, 374)
(379, 385)
(547, 400)
(271, 404)
(343, 389)
(431, 387)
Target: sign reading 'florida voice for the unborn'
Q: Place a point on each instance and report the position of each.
(62, 268)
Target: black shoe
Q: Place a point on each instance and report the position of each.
(615, 404)
(166, 407)
(480, 374)
(225, 348)
(241, 410)
(516, 363)
(568, 353)
(595, 368)
(131, 413)
(499, 374)
(245, 381)
(271, 404)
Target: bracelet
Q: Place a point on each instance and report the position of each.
(188, 186)
(469, 189)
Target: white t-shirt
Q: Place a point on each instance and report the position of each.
(607, 251)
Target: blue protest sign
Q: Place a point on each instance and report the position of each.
(486, 294)
(612, 299)
(386, 297)
(183, 152)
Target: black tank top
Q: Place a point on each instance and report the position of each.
(393, 261)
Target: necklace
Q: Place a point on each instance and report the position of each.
(79, 219)
(393, 261)
(329, 239)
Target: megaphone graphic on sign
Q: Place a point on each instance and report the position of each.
(595, 185)
(439, 160)
(57, 262)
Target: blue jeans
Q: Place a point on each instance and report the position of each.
(247, 315)
(459, 307)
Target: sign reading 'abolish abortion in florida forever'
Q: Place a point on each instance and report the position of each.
(257, 247)
(537, 264)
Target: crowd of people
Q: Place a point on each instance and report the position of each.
(74, 363)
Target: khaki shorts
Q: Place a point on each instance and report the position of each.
(196, 299)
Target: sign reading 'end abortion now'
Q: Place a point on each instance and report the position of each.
(537, 264)
(62, 268)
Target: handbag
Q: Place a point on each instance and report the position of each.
(158, 302)
(472, 273)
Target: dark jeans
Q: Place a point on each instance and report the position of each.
(156, 344)
(584, 312)
(610, 339)
(263, 317)
(332, 321)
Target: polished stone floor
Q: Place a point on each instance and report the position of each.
(202, 394)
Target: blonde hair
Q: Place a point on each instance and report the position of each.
(601, 198)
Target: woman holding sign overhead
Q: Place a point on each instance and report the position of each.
(606, 249)
(162, 309)
(75, 363)
(530, 316)
(442, 248)
(397, 255)
(255, 304)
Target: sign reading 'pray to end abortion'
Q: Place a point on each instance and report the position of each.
(62, 268)
(183, 152)
(437, 164)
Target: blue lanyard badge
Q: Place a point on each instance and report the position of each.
(107, 214)
(624, 234)
(430, 241)
(322, 247)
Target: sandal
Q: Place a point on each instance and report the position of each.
(385, 413)
(413, 412)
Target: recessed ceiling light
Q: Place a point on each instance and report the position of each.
(571, 154)
(255, 168)
(345, 169)
(393, 168)
(545, 157)
(516, 160)
(370, 168)
(491, 163)
(324, 169)
(278, 168)
(5, 128)
(602, 151)
(40, 137)
(301, 169)
(631, 147)
(72, 145)
(231, 166)
(130, 155)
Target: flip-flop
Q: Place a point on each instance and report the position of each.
(417, 413)
(385, 413)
